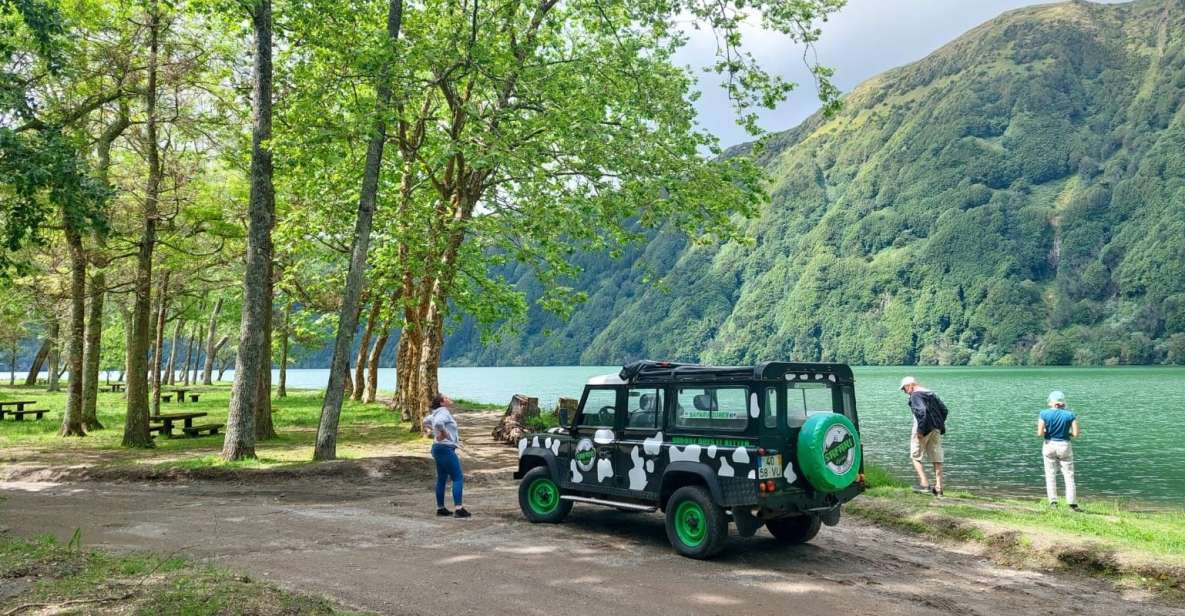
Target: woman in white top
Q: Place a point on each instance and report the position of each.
(443, 427)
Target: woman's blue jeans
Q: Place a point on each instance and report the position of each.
(448, 466)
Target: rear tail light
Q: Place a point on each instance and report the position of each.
(769, 486)
(761, 487)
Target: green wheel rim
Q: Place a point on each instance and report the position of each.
(691, 525)
(543, 496)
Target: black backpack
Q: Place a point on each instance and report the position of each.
(936, 411)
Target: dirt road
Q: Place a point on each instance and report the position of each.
(374, 544)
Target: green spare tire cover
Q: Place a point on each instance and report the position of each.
(829, 451)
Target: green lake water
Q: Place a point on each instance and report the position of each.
(1132, 445)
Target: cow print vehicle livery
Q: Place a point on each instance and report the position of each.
(776, 444)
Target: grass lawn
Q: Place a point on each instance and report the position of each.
(365, 430)
(43, 576)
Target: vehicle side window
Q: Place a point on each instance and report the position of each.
(849, 403)
(600, 408)
(645, 408)
(715, 408)
(770, 413)
(806, 399)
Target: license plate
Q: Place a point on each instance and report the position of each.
(769, 467)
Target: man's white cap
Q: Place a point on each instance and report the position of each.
(909, 380)
(1056, 396)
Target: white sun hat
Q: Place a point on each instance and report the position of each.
(909, 380)
(1057, 396)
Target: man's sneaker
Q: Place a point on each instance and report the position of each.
(936, 492)
(1053, 504)
(920, 489)
(443, 512)
(462, 513)
(1075, 507)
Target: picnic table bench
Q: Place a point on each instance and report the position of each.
(19, 404)
(165, 423)
(114, 387)
(19, 413)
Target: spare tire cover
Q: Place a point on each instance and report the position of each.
(829, 451)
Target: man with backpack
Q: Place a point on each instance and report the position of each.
(929, 424)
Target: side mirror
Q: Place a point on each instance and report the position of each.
(565, 419)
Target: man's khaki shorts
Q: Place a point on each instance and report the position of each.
(930, 445)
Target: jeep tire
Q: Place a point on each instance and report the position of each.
(794, 529)
(539, 497)
(696, 527)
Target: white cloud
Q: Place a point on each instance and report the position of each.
(865, 38)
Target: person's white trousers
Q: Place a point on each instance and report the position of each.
(1059, 454)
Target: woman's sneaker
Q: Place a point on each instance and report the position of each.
(462, 513)
(443, 512)
(920, 489)
(1074, 507)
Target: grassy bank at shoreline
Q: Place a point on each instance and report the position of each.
(1143, 548)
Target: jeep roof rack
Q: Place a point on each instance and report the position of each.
(650, 371)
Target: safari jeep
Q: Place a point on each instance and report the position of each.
(776, 444)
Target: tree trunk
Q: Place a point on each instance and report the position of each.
(326, 447)
(55, 355)
(239, 442)
(195, 343)
(72, 417)
(226, 363)
(188, 363)
(364, 347)
(171, 371)
(157, 360)
(38, 362)
(283, 388)
(90, 356)
(211, 352)
(264, 429)
(125, 316)
(372, 380)
(135, 430)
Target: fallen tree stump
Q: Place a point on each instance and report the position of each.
(513, 425)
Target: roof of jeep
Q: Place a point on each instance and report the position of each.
(655, 371)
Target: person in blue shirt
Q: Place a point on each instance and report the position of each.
(1058, 425)
(441, 425)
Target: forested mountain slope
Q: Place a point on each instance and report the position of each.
(1017, 196)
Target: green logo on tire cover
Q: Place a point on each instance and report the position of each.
(584, 454)
(839, 449)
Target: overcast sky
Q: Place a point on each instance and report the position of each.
(865, 38)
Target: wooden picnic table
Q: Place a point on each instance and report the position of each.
(167, 419)
(19, 404)
(180, 395)
(117, 387)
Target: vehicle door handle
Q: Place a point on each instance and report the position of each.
(605, 451)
